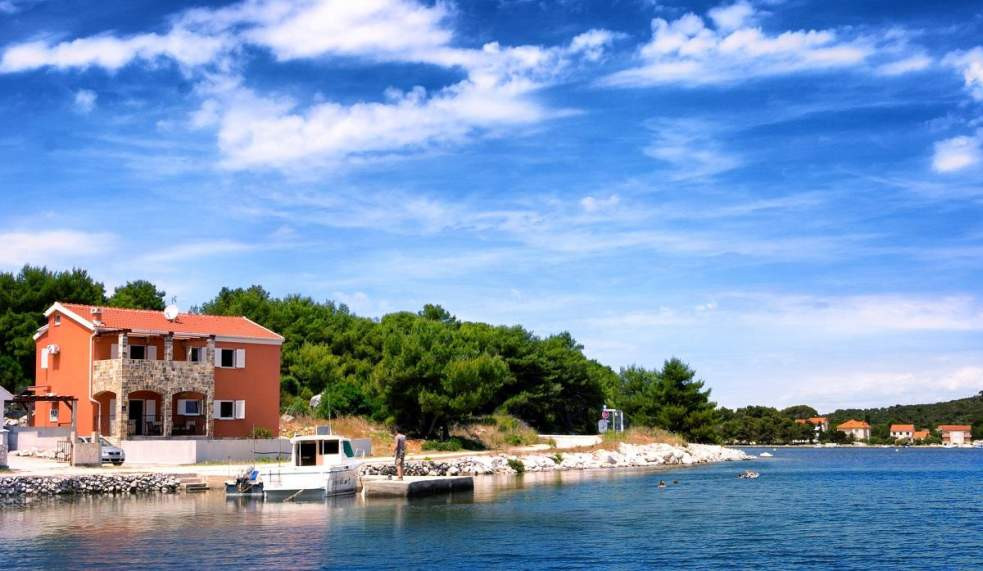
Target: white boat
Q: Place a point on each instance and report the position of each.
(319, 465)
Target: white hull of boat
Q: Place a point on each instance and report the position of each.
(326, 480)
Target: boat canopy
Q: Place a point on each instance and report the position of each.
(321, 450)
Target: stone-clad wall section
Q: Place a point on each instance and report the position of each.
(167, 378)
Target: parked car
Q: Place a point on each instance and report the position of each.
(110, 452)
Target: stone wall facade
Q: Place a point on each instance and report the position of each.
(167, 378)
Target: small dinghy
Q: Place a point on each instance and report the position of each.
(246, 484)
(765, 455)
(748, 475)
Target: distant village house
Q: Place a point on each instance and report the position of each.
(821, 423)
(859, 429)
(955, 433)
(903, 431)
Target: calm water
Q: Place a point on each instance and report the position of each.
(843, 509)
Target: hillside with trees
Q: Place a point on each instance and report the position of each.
(960, 411)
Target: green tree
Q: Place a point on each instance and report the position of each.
(139, 294)
(800, 411)
(23, 299)
(671, 399)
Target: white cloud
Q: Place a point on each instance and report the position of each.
(591, 204)
(687, 51)
(51, 247)
(260, 130)
(691, 148)
(191, 251)
(499, 91)
(8, 7)
(732, 17)
(970, 65)
(878, 388)
(956, 153)
(111, 52)
(906, 65)
(85, 100)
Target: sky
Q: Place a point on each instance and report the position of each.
(786, 195)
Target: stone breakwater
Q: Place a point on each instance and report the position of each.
(15, 486)
(626, 456)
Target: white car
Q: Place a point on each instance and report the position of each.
(110, 452)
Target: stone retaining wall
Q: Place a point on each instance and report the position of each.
(627, 456)
(20, 486)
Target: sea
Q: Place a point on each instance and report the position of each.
(842, 508)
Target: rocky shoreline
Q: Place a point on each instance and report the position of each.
(115, 484)
(626, 456)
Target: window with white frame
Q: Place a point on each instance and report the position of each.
(230, 358)
(57, 320)
(229, 409)
(53, 413)
(189, 407)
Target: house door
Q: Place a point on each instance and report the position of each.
(136, 416)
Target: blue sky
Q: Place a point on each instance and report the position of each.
(787, 195)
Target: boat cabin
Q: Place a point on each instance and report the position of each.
(321, 450)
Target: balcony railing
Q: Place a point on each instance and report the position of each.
(146, 425)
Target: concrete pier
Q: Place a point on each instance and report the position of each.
(414, 486)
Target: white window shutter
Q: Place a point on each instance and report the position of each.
(240, 358)
(114, 351)
(44, 358)
(240, 409)
(188, 358)
(151, 353)
(182, 407)
(218, 357)
(216, 409)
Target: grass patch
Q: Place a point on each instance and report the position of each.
(642, 435)
(498, 432)
(453, 444)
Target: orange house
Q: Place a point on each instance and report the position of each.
(138, 374)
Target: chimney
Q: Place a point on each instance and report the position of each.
(96, 316)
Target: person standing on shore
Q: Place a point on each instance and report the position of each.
(400, 453)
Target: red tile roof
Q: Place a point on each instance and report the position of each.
(955, 427)
(902, 428)
(852, 424)
(920, 434)
(145, 320)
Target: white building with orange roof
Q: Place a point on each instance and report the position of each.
(956, 433)
(903, 431)
(859, 429)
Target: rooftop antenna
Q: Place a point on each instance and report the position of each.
(171, 311)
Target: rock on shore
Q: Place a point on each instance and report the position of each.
(87, 484)
(627, 456)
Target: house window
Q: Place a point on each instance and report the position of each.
(187, 407)
(196, 354)
(226, 409)
(57, 320)
(228, 358)
(229, 409)
(53, 413)
(138, 352)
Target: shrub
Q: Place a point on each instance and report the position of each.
(453, 444)
(449, 445)
(260, 432)
(517, 465)
(557, 458)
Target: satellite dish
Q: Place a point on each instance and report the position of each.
(171, 312)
